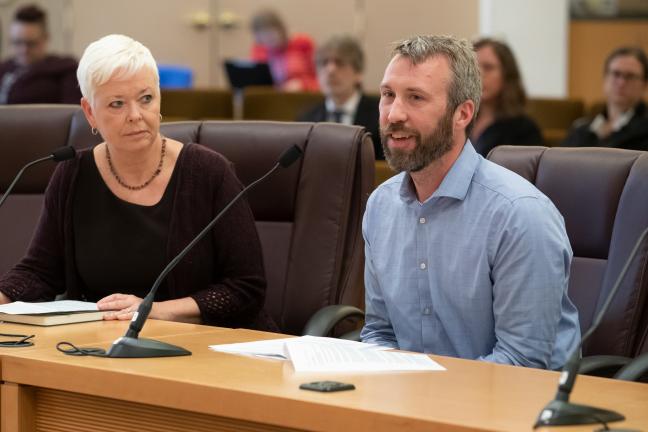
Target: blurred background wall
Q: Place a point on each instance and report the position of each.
(560, 52)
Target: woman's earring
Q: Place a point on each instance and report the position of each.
(94, 131)
(160, 116)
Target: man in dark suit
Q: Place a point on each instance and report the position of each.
(340, 63)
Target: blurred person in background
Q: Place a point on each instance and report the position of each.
(290, 58)
(32, 75)
(501, 119)
(340, 63)
(623, 122)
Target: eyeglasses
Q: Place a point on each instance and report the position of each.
(22, 342)
(625, 76)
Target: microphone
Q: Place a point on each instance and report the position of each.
(560, 412)
(130, 345)
(58, 155)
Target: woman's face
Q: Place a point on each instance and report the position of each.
(126, 110)
(270, 37)
(491, 73)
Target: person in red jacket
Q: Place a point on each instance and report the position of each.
(31, 75)
(290, 58)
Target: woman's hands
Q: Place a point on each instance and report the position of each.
(120, 306)
(4, 299)
(123, 306)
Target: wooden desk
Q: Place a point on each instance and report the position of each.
(98, 332)
(215, 391)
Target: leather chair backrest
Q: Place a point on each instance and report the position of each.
(29, 132)
(197, 104)
(268, 103)
(552, 113)
(602, 194)
(308, 215)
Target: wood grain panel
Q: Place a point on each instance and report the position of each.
(63, 411)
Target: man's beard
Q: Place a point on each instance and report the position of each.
(428, 149)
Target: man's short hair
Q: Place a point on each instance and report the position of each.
(31, 14)
(466, 80)
(346, 48)
(633, 51)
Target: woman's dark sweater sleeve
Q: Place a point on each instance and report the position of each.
(40, 275)
(236, 293)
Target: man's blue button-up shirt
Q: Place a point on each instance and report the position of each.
(478, 271)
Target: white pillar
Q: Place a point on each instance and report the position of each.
(538, 33)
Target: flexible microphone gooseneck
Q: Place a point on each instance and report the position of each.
(560, 412)
(58, 155)
(130, 345)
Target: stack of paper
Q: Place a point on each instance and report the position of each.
(313, 357)
(50, 313)
(318, 354)
(61, 306)
(276, 348)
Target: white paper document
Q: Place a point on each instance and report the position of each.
(61, 306)
(313, 357)
(273, 348)
(276, 348)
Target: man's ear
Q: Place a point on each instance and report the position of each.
(87, 110)
(464, 114)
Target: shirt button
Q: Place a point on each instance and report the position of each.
(423, 266)
(426, 311)
(422, 220)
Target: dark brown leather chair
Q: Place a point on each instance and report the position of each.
(555, 116)
(603, 195)
(197, 104)
(308, 216)
(29, 132)
(268, 103)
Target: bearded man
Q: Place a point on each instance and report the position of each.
(463, 257)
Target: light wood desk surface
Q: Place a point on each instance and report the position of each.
(97, 332)
(42, 386)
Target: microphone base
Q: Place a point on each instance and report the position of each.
(561, 413)
(128, 347)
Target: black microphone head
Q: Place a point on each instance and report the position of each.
(290, 155)
(63, 153)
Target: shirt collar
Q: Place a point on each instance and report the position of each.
(597, 125)
(456, 182)
(349, 107)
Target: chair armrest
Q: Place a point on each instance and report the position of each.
(353, 335)
(602, 365)
(634, 370)
(321, 323)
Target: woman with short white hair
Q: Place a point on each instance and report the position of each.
(117, 213)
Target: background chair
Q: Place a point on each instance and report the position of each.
(308, 216)
(196, 104)
(601, 193)
(267, 103)
(555, 116)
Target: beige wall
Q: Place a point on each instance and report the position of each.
(387, 21)
(165, 26)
